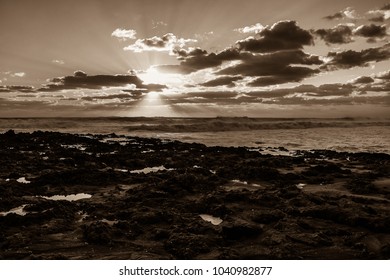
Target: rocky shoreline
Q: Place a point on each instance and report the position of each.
(67, 196)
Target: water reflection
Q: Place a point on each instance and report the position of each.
(70, 197)
(214, 220)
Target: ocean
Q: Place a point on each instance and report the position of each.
(351, 135)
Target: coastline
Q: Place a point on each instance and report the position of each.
(155, 199)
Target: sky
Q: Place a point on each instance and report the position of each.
(204, 58)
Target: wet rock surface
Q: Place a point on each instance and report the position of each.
(147, 197)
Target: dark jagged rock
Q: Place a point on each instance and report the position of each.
(314, 205)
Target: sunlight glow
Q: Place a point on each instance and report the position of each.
(153, 76)
(152, 105)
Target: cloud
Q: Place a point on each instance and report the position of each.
(287, 75)
(340, 34)
(347, 13)
(14, 74)
(203, 60)
(204, 36)
(381, 14)
(222, 81)
(371, 31)
(271, 54)
(156, 24)
(18, 74)
(191, 52)
(198, 59)
(307, 95)
(108, 97)
(154, 87)
(278, 67)
(325, 90)
(124, 34)
(362, 80)
(256, 28)
(58, 61)
(283, 35)
(350, 58)
(282, 66)
(167, 43)
(384, 75)
(16, 88)
(82, 80)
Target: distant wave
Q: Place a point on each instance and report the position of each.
(210, 125)
(178, 125)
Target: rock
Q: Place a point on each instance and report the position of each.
(240, 229)
(267, 216)
(187, 246)
(98, 233)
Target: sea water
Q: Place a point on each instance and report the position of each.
(352, 135)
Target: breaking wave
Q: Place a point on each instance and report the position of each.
(212, 125)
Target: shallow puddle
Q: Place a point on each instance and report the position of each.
(121, 140)
(236, 184)
(147, 170)
(70, 197)
(76, 146)
(109, 222)
(214, 220)
(17, 210)
(240, 182)
(23, 180)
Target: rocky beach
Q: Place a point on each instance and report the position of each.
(108, 196)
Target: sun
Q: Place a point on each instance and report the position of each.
(153, 76)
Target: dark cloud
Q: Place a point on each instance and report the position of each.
(222, 81)
(182, 53)
(80, 74)
(281, 44)
(350, 58)
(204, 60)
(284, 35)
(347, 13)
(197, 59)
(204, 98)
(340, 34)
(338, 15)
(82, 80)
(345, 100)
(210, 95)
(107, 97)
(17, 89)
(334, 90)
(371, 30)
(380, 15)
(299, 95)
(154, 87)
(386, 7)
(26, 95)
(363, 80)
(308, 90)
(278, 67)
(379, 18)
(286, 75)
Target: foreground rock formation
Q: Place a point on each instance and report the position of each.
(65, 196)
